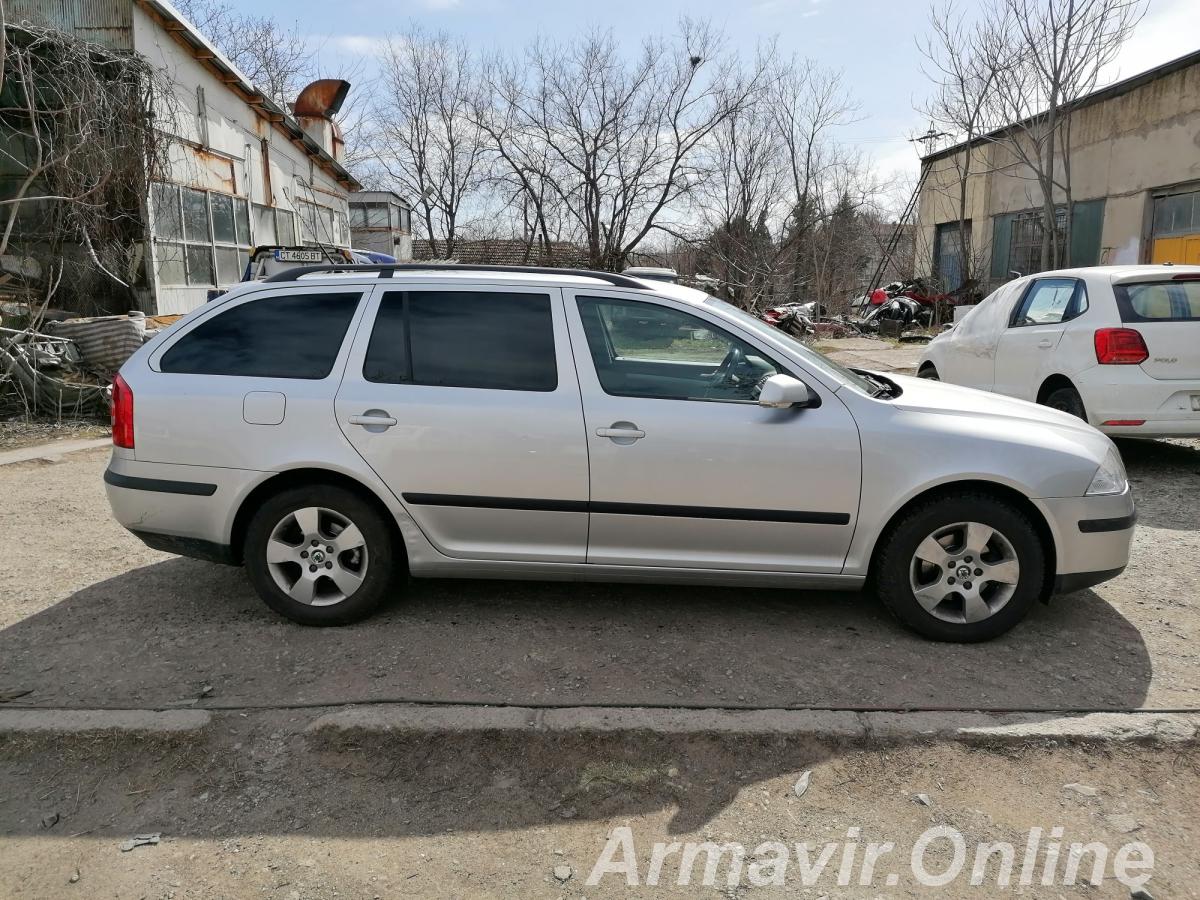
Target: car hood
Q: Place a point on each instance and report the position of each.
(923, 395)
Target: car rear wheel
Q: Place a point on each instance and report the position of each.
(929, 372)
(1067, 400)
(965, 568)
(320, 555)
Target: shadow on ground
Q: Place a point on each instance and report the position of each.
(183, 631)
(1165, 477)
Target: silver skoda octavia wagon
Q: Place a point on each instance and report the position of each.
(336, 431)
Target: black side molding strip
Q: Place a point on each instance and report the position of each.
(1093, 526)
(159, 485)
(631, 509)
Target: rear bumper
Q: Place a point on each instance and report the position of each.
(1092, 536)
(1125, 393)
(181, 509)
(186, 546)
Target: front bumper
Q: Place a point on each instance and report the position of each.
(1092, 537)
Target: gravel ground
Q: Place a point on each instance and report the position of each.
(252, 809)
(92, 617)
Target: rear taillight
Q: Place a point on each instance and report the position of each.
(122, 414)
(1120, 347)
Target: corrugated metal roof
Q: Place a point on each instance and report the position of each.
(105, 22)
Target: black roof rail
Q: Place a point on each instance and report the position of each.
(386, 269)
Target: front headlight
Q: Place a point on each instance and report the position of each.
(1110, 477)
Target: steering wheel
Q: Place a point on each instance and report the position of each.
(733, 360)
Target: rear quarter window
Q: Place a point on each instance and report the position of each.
(296, 336)
(1159, 301)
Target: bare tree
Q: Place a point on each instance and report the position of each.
(614, 141)
(428, 142)
(964, 60)
(1060, 48)
(276, 58)
(809, 104)
(83, 149)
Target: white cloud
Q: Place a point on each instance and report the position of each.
(355, 44)
(1167, 31)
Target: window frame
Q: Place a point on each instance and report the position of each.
(1076, 306)
(406, 310)
(579, 297)
(241, 244)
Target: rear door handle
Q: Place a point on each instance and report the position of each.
(373, 417)
(621, 432)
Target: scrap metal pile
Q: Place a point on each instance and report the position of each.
(55, 364)
(907, 310)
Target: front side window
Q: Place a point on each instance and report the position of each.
(1049, 301)
(464, 339)
(645, 350)
(274, 337)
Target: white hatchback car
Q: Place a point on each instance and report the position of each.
(1118, 346)
(333, 431)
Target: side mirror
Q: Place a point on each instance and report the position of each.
(784, 392)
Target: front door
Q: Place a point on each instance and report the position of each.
(465, 402)
(1025, 352)
(686, 469)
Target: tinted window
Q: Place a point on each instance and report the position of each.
(645, 350)
(1159, 301)
(1049, 301)
(276, 337)
(464, 339)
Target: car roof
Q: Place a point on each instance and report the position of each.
(475, 276)
(1123, 273)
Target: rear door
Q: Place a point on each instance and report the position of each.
(464, 401)
(1025, 353)
(1167, 314)
(252, 381)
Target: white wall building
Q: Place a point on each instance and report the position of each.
(244, 172)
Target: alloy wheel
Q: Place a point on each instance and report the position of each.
(317, 556)
(964, 573)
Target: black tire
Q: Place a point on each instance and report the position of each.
(1067, 400)
(891, 574)
(383, 558)
(929, 372)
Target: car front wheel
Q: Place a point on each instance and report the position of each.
(320, 555)
(965, 568)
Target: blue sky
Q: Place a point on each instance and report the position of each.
(872, 42)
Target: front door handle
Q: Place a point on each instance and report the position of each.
(1046, 343)
(373, 418)
(621, 432)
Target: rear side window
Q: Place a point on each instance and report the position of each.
(467, 339)
(1160, 301)
(295, 336)
(1050, 301)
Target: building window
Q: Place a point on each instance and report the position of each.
(322, 225)
(202, 238)
(948, 253)
(370, 215)
(1025, 243)
(274, 226)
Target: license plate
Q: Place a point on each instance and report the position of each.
(1196, 402)
(299, 256)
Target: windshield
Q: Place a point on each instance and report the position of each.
(818, 361)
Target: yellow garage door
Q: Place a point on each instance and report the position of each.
(1181, 250)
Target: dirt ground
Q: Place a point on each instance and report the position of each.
(256, 809)
(91, 617)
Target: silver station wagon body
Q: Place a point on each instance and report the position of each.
(334, 431)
